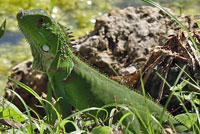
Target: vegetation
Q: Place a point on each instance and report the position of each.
(78, 15)
(24, 123)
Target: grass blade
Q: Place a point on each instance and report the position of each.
(198, 24)
(26, 88)
(52, 4)
(2, 28)
(27, 110)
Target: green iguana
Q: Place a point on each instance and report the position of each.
(74, 82)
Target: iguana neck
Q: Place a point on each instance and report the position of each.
(62, 64)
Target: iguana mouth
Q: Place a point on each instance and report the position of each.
(23, 13)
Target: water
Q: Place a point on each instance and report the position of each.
(11, 38)
(132, 3)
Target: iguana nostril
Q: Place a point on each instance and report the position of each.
(20, 14)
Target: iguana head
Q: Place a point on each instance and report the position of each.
(45, 37)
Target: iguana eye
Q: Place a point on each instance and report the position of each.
(45, 48)
(41, 21)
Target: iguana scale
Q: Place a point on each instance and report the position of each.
(73, 80)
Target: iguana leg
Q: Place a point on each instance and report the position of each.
(51, 114)
(62, 103)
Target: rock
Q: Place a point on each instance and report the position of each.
(127, 35)
(35, 80)
(128, 70)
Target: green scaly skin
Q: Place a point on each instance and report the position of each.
(73, 80)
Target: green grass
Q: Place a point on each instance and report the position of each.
(192, 119)
(12, 113)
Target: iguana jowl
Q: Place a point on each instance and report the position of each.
(72, 79)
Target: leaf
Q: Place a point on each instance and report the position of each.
(102, 130)
(9, 111)
(189, 119)
(198, 24)
(13, 131)
(52, 4)
(197, 101)
(2, 28)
